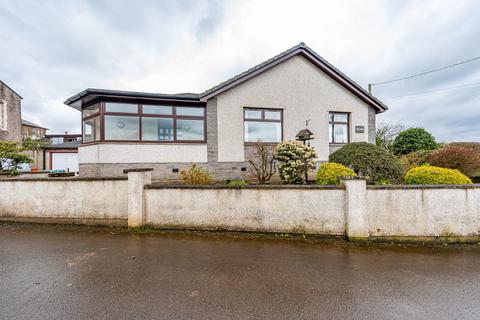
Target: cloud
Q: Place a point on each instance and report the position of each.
(52, 50)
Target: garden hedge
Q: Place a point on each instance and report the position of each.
(369, 161)
(435, 175)
(331, 172)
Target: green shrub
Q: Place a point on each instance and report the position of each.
(236, 182)
(413, 139)
(331, 172)
(11, 156)
(435, 175)
(196, 175)
(466, 160)
(414, 159)
(294, 159)
(369, 161)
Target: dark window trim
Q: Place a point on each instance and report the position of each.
(262, 119)
(102, 113)
(339, 122)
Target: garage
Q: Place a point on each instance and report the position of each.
(67, 161)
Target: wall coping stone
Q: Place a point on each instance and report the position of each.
(64, 179)
(250, 187)
(423, 186)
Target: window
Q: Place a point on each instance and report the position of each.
(190, 130)
(263, 125)
(150, 123)
(338, 127)
(57, 140)
(157, 129)
(3, 115)
(89, 111)
(122, 128)
(121, 107)
(187, 111)
(91, 129)
(166, 110)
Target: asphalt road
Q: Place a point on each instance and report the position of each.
(57, 272)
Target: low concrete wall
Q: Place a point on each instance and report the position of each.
(353, 209)
(301, 210)
(423, 211)
(86, 201)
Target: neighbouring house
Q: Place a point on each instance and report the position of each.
(61, 153)
(10, 114)
(32, 131)
(270, 102)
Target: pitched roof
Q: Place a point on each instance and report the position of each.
(6, 85)
(300, 49)
(311, 55)
(31, 124)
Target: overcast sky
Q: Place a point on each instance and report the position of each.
(51, 50)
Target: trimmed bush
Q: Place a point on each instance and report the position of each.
(196, 175)
(415, 159)
(413, 139)
(369, 161)
(466, 160)
(435, 175)
(331, 172)
(294, 159)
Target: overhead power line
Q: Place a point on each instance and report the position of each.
(424, 73)
(440, 90)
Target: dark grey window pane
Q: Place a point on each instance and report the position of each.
(273, 115)
(91, 129)
(263, 131)
(91, 110)
(190, 111)
(190, 130)
(253, 114)
(157, 109)
(157, 129)
(121, 128)
(121, 107)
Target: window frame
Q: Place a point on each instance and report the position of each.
(262, 119)
(140, 115)
(3, 115)
(333, 122)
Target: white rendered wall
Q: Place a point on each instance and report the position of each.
(303, 91)
(142, 153)
(278, 210)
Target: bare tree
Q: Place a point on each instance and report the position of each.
(386, 133)
(262, 161)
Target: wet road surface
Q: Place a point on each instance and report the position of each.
(66, 272)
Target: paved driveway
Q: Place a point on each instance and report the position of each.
(56, 272)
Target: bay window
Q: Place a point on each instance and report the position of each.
(112, 121)
(338, 131)
(263, 125)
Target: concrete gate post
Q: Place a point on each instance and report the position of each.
(356, 227)
(137, 180)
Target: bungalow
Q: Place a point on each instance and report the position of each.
(270, 102)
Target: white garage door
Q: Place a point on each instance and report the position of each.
(65, 161)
